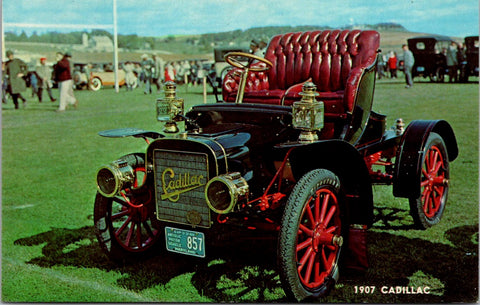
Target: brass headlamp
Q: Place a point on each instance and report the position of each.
(170, 108)
(308, 113)
(224, 191)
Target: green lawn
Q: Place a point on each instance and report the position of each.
(50, 254)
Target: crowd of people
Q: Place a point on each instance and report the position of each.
(154, 71)
(16, 77)
(454, 57)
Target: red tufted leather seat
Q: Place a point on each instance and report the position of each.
(334, 60)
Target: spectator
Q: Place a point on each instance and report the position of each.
(408, 62)
(255, 49)
(44, 73)
(381, 65)
(186, 71)
(16, 69)
(193, 73)
(65, 83)
(139, 71)
(452, 62)
(130, 77)
(147, 66)
(33, 82)
(392, 64)
(158, 75)
(462, 63)
(169, 73)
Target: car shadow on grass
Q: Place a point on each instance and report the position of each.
(239, 269)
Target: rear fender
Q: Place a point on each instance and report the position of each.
(346, 162)
(408, 165)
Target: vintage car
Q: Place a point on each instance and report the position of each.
(430, 56)
(471, 65)
(292, 152)
(103, 75)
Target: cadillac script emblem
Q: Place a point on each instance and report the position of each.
(174, 185)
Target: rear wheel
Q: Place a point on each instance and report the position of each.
(311, 237)
(428, 208)
(126, 225)
(95, 84)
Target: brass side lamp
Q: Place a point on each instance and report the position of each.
(308, 114)
(170, 108)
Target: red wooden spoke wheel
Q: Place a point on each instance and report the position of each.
(318, 238)
(428, 208)
(125, 225)
(311, 236)
(131, 222)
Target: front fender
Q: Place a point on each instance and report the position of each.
(408, 165)
(130, 132)
(346, 162)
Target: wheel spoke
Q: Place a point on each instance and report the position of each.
(120, 214)
(330, 214)
(148, 229)
(139, 235)
(306, 230)
(129, 234)
(308, 272)
(323, 256)
(324, 207)
(124, 225)
(317, 209)
(331, 229)
(305, 256)
(310, 214)
(304, 244)
(317, 271)
(426, 202)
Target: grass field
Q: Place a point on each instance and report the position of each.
(50, 254)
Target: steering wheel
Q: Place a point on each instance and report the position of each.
(232, 59)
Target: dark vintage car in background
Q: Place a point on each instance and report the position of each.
(471, 65)
(286, 154)
(430, 56)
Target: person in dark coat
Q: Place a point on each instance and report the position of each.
(16, 69)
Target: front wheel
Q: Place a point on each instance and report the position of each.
(310, 238)
(126, 225)
(427, 209)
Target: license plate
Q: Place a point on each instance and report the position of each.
(185, 241)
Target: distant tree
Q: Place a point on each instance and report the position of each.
(23, 37)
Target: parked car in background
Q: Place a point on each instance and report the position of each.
(221, 67)
(103, 75)
(430, 56)
(471, 45)
(80, 75)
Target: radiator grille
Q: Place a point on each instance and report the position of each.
(180, 179)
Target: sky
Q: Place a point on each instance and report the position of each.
(456, 18)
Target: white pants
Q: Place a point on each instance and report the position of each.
(66, 94)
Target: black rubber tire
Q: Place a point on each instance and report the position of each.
(425, 217)
(321, 182)
(114, 218)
